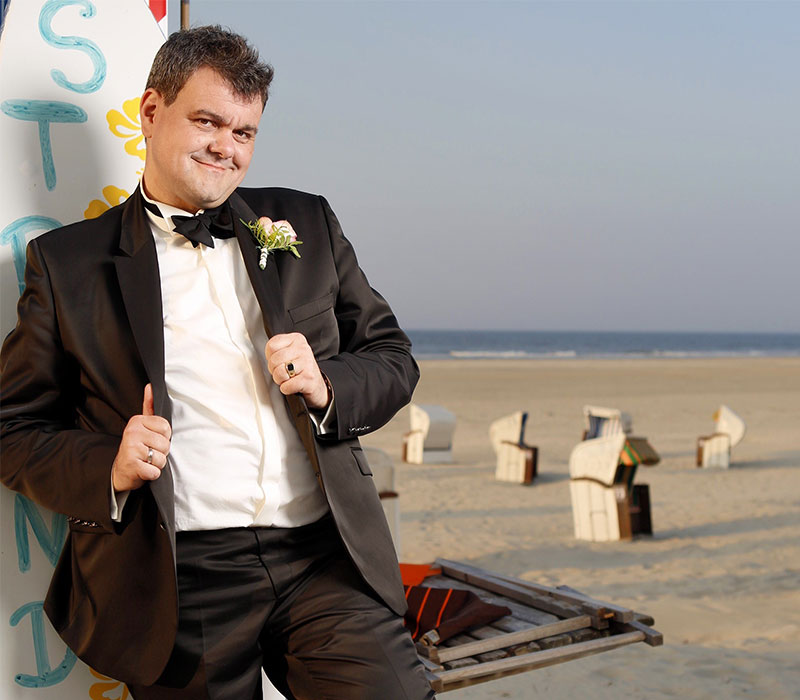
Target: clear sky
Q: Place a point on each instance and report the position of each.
(532, 165)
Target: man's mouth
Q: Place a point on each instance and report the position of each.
(213, 166)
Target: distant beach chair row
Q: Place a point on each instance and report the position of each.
(606, 504)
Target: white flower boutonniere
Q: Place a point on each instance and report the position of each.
(273, 235)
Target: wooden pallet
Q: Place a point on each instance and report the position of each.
(547, 626)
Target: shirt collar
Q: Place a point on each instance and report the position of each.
(164, 222)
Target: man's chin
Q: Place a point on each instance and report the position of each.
(209, 200)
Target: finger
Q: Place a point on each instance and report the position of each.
(157, 442)
(291, 386)
(297, 354)
(147, 403)
(147, 472)
(155, 458)
(157, 424)
(279, 342)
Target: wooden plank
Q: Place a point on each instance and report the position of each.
(433, 681)
(538, 659)
(586, 634)
(557, 640)
(519, 593)
(456, 664)
(652, 637)
(512, 638)
(518, 610)
(429, 665)
(621, 614)
(565, 593)
(492, 655)
(522, 595)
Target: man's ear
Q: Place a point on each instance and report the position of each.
(151, 99)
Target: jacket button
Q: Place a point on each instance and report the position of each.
(162, 526)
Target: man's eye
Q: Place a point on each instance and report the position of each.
(243, 136)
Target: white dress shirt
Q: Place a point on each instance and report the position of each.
(236, 457)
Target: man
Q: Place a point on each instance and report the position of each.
(196, 417)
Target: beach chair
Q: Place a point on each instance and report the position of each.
(715, 450)
(430, 440)
(601, 421)
(606, 504)
(382, 467)
(516, 461)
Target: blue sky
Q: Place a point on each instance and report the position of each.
(528, 165)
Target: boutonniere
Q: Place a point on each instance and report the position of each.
(273, 235)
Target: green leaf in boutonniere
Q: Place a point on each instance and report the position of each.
(271, 236)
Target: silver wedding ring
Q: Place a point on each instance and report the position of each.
(290, 370)
(149, 455)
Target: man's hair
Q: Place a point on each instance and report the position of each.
(229, 54)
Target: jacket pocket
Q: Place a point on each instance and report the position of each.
(316, 320)
(361, 460)
(311, 308)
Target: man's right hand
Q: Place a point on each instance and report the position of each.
(143, 433)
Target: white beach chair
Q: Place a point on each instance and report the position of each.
(382, 467)
(601, 421)
(430, 440)
(715, 450)
(516, 461)
(606, 505)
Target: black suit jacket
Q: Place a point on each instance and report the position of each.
(90, 336)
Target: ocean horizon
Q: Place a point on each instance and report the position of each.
(503, 344)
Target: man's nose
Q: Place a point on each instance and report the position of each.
(223, 144)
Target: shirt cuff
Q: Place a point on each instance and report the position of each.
(325, 424)
(118, 501)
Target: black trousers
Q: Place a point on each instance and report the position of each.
(289, 600)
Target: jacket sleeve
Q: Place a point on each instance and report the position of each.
(374, 374)
(44, 455)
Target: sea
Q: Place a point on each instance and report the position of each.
(477, 344)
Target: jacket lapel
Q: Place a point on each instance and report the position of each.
(266, 283)
(267, 287)
(140, 284)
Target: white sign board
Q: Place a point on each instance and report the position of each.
(71, 73)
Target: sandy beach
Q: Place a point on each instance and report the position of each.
(721, 574)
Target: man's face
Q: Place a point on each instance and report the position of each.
(200, 146)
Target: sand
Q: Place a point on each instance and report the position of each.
(721, 574)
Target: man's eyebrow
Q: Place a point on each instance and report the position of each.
(219, 119)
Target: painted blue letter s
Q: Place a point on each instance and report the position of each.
(49, 10)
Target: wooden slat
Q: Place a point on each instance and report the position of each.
(621, 614)
(460, 663)
(652, 637)
(519, 593)
(429, 665)
(558, 640)
(441, 655)
(539, 659)
(569, 595)
(518, 610)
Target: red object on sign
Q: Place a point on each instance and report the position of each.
(158, 8)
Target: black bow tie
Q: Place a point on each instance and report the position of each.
(201, 228)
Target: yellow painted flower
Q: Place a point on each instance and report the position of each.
(98, 690)
(127, 127)
(113, 195)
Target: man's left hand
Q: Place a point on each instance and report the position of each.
(291, 351)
